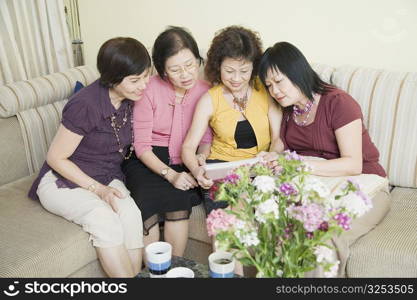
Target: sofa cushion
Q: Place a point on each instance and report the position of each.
(36, 243)
(12, 153)
(198, 228)
(388, 101)
(27, 94)
(389, 250)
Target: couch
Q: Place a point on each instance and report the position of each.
(36, 243)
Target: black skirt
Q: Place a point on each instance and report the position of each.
(157, 199)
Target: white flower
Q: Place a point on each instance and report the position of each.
(313, 185)
(279, 273)
(316, 185)
(239, 224)
(264, 183)
(333, 270)
(268, 207)
(354, 204)
(260, 274)
(247, 238)
(323, 254)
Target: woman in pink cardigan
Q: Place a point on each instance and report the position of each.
(161, 186)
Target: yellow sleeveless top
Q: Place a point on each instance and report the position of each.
(224, 121)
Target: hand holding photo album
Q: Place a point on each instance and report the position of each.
(220, 170)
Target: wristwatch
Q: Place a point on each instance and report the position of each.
(164, 172)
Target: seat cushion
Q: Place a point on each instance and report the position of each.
(36, 243)
(198, 228)
(389, 250)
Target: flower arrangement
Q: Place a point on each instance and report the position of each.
(281, 221)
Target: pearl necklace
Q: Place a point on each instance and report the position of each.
(116, 128)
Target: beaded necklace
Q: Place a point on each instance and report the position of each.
(239, 103)
(298, 112)
(116, 128)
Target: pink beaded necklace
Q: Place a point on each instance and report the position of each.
(299, 112)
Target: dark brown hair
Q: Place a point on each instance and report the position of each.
(120, 57)
(234, 42)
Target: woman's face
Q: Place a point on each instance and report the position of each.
(132, 86)
(235, 74)
(182, 69)
(282, 89)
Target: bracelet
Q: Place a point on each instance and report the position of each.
(92, 187)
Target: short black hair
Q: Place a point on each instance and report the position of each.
(233, 42)
(289, 60)
(170, 42)
(120, 57)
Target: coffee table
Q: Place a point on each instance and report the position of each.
(200, 270)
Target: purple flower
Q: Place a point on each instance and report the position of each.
(287, 189)
(232, 178)
(292, 155)
(309, 235)
(324, 226)
(343, 220)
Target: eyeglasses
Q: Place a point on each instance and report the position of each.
(178, 70)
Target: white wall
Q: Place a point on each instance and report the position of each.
(374, 33)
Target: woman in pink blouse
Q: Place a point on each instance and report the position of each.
(161, 186)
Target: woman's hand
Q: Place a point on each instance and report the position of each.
(182, 181)
(201, 159)
(109, 195)
(199, 175)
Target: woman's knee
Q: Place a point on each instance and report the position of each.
(104, 226)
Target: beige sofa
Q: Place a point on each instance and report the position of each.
(36, 243)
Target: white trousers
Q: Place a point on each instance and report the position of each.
(106, 227)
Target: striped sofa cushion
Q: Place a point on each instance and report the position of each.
(23, 95)
(38, 104)
(388, 104)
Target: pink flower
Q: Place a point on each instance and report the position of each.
(310, 215)
(219, 220)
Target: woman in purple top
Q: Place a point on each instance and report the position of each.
(82, 179)
(162, 187)
(323, 121)
(319, 119)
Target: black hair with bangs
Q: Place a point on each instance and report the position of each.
(288, 59)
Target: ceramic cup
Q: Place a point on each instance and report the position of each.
(221, 264)
(158, 258)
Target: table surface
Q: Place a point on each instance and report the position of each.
(200, 270)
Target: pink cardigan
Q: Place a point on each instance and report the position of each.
(155, 113)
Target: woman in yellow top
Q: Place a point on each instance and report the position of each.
(244, 119)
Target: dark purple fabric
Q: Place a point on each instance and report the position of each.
(87, 113)
(335, 110)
